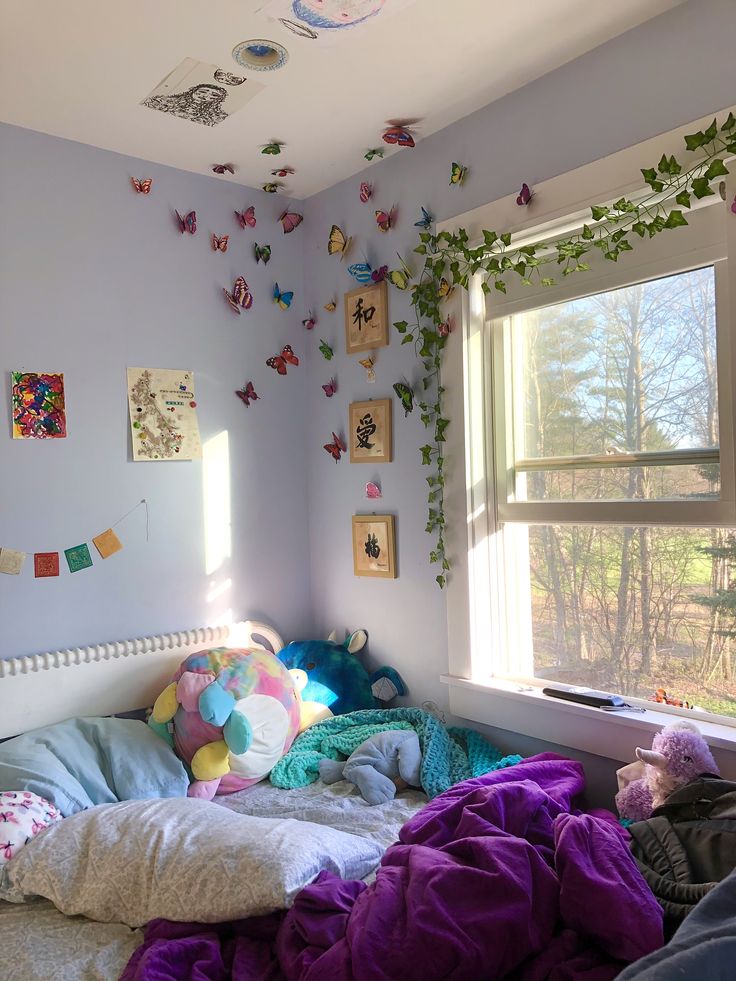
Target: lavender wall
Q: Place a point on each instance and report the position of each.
(95, 278)
(653, 79)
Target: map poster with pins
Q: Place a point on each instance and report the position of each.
(163, 414)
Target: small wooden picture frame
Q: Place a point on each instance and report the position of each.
(366, 318)
(369, 431)
(374, 545)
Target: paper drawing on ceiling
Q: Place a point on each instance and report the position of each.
(163, 417)
(201, 93)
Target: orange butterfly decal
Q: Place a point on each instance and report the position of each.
(220, 244)
(280, 361)
(142, 187)
(336, 448)
(241, 296)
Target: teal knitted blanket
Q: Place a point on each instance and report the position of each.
(449, 755)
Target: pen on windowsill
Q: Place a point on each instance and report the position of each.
(622, 708)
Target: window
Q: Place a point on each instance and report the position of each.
(601, 477)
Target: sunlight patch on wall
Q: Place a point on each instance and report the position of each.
(216, 501)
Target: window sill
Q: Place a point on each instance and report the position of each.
(614, 735)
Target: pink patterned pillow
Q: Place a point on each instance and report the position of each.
(22, 816)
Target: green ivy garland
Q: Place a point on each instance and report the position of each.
(450, 261)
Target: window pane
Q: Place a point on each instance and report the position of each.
(629, 370)
(616, 484)
(631, 610)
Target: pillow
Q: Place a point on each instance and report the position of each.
(22, 816)
(184, 860)
(82, 762)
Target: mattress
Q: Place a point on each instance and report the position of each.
(38, 942)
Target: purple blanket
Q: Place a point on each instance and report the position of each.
(499, 877)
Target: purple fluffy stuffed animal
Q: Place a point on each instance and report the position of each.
(678, 755)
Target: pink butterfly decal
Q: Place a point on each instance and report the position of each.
(525, 195)
(241, 296)
(330, 388)
(378, 275)
(221, 168)
(247, 218)
(188, 222)
(247, 394)
(283, 172)
(733, 205)
(219, 243)
(372, 491)
(336, 448)
(445, 328)
(366, 191)
(290, 220)
(386, 219)
(310, 323)
(142, 187)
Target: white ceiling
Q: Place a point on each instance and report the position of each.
(79, 69)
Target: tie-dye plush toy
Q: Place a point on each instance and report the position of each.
(331, 680)
(230, 715)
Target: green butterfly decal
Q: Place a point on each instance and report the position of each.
(406, 394)
(325, 350)
(262, 253)
(273, 148)
(374, 152)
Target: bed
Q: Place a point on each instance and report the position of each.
(37, 940)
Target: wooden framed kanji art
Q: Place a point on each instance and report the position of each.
(369, 428)
(366, 318)
(374, 545)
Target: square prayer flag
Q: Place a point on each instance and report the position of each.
(107, 543)
(46, 564)
(78, 557)
(11, 562)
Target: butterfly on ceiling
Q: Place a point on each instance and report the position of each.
(330, 388)
(247, 393)
(247, 218)
(444, 329)
(366, 191)
(425, 221)
(361, 272)
(331, 306)
(290, 220)
(400, 278)
(282, 172)
(337, 243)
(386, 219)
(399, 133)
(378, 275)
(376, 151)
(279, 362)
(524, 196)
(458, 173)
(272, 187)
(369, 365)
(406, 393)
(241, 296)
(142, 186)
(223, 168)
(219, 243)
(310, 323)
(445, 291)
(336, 448)
(188, 222)
(325, 350)
(273, 148)
(283, 299)
(262, 253)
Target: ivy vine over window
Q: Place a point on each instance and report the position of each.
(450, 261)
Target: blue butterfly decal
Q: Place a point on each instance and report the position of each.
(361, 272)
(425, 221)
(283, 299)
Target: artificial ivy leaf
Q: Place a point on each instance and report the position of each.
(445, 565)
(485, 287)
(421, 250)
(598, 213)
(401, 326)
(729, 124)
(701, 187)
(716, 169)
(520, 268)
(695, 140)
(440, 581)
(683, 199)
(582, 267)
(426, 452)
(623, 205)
(625, 246)
(712, 132)
(675, 219)
(587, 232)
(649, 174)
(489, 237)
(526, 282)
(407, 339)
(506, 238)
(612, 254)
(664, 165)
(434, 557)
(440, 428)
(548, 281)
(500, 285)
(640, 228)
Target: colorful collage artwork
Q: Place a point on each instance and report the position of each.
(38, 405)
(163, 416)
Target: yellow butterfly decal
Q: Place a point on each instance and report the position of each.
(331, 306)
(458, 174)
(368, 364)
(445, 291)
(338, 243)
(400, 278)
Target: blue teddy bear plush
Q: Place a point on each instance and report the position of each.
(383, 764)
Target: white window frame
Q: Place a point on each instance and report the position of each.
(479, 634)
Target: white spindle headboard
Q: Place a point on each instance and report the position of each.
(120, 676)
